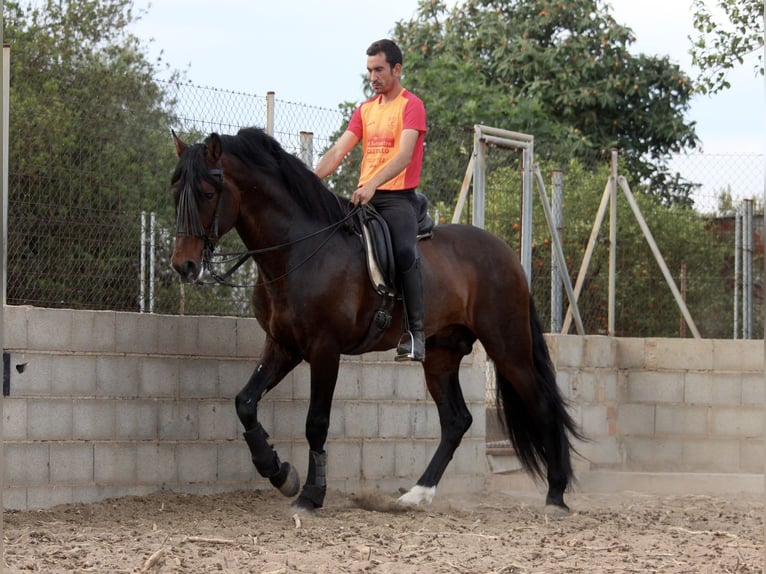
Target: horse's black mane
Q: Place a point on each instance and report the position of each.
(258, 150)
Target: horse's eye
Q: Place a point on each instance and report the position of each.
(209, 196)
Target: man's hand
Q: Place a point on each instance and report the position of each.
(362, 195)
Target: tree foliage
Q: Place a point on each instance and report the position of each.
(558, 69)
(89, 150)
(724, 39)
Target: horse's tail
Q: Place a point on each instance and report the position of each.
(542, 427)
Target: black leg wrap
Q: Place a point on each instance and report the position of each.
(314, 491)
(264, 456)
(311, 497)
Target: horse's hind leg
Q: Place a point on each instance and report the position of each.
(441, 370)
(534, 412)
(275, 364)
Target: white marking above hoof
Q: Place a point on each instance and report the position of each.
(417, 494)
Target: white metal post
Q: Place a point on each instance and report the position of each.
(152, 257)
(526, 213)
(4, 119)
(612, 245)
(270, 113)
(307, 148)
(5, 109)
(479, 177)
(142, 267)
(557, 284)
(763, 26)
(747, 270)
(737, 267)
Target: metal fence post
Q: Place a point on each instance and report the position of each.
(307, 148)
(612, 245)
(5, 87)
(747, 270)
(763, 197)
(479, 175)
(737, 267)
(142, 267)
(557, 285)
(526, 212)
(270, 97)
(152, 257)
(4, 119)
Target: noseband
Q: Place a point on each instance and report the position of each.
(188, 222)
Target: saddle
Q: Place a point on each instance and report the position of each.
(376, 241)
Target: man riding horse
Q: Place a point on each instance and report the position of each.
(391, 127)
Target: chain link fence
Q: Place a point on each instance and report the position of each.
(84, 233)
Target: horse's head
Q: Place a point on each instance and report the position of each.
(206, 208)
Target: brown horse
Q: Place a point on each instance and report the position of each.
(315, 302)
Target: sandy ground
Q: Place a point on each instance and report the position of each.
(510, 533)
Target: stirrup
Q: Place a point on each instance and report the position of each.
(407, 349)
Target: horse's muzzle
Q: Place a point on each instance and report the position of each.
(189, 271)
(187, 258)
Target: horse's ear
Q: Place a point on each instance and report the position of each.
(180, 146)
(214, 148)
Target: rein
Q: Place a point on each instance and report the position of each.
(188, 223)
(243, 256)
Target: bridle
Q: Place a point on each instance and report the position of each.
(188, 223)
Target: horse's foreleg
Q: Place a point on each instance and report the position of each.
(324, 374)
(276, 363)
(441, 370)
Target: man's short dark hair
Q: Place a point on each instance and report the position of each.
(389, 48)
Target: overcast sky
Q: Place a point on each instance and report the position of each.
(312, 52)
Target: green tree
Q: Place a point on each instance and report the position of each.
(558, 69)
(89, 150)
(721, 43)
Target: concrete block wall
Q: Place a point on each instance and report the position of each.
(104, 404)
(665, 405)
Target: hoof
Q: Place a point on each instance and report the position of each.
(291, 483)
(417, 494)
(556, 511)
(304, 504)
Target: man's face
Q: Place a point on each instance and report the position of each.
(382, 76)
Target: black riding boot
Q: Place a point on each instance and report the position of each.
(412, 345)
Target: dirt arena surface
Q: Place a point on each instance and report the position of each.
(258, 532)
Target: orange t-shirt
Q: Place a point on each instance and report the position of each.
(379, 127)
